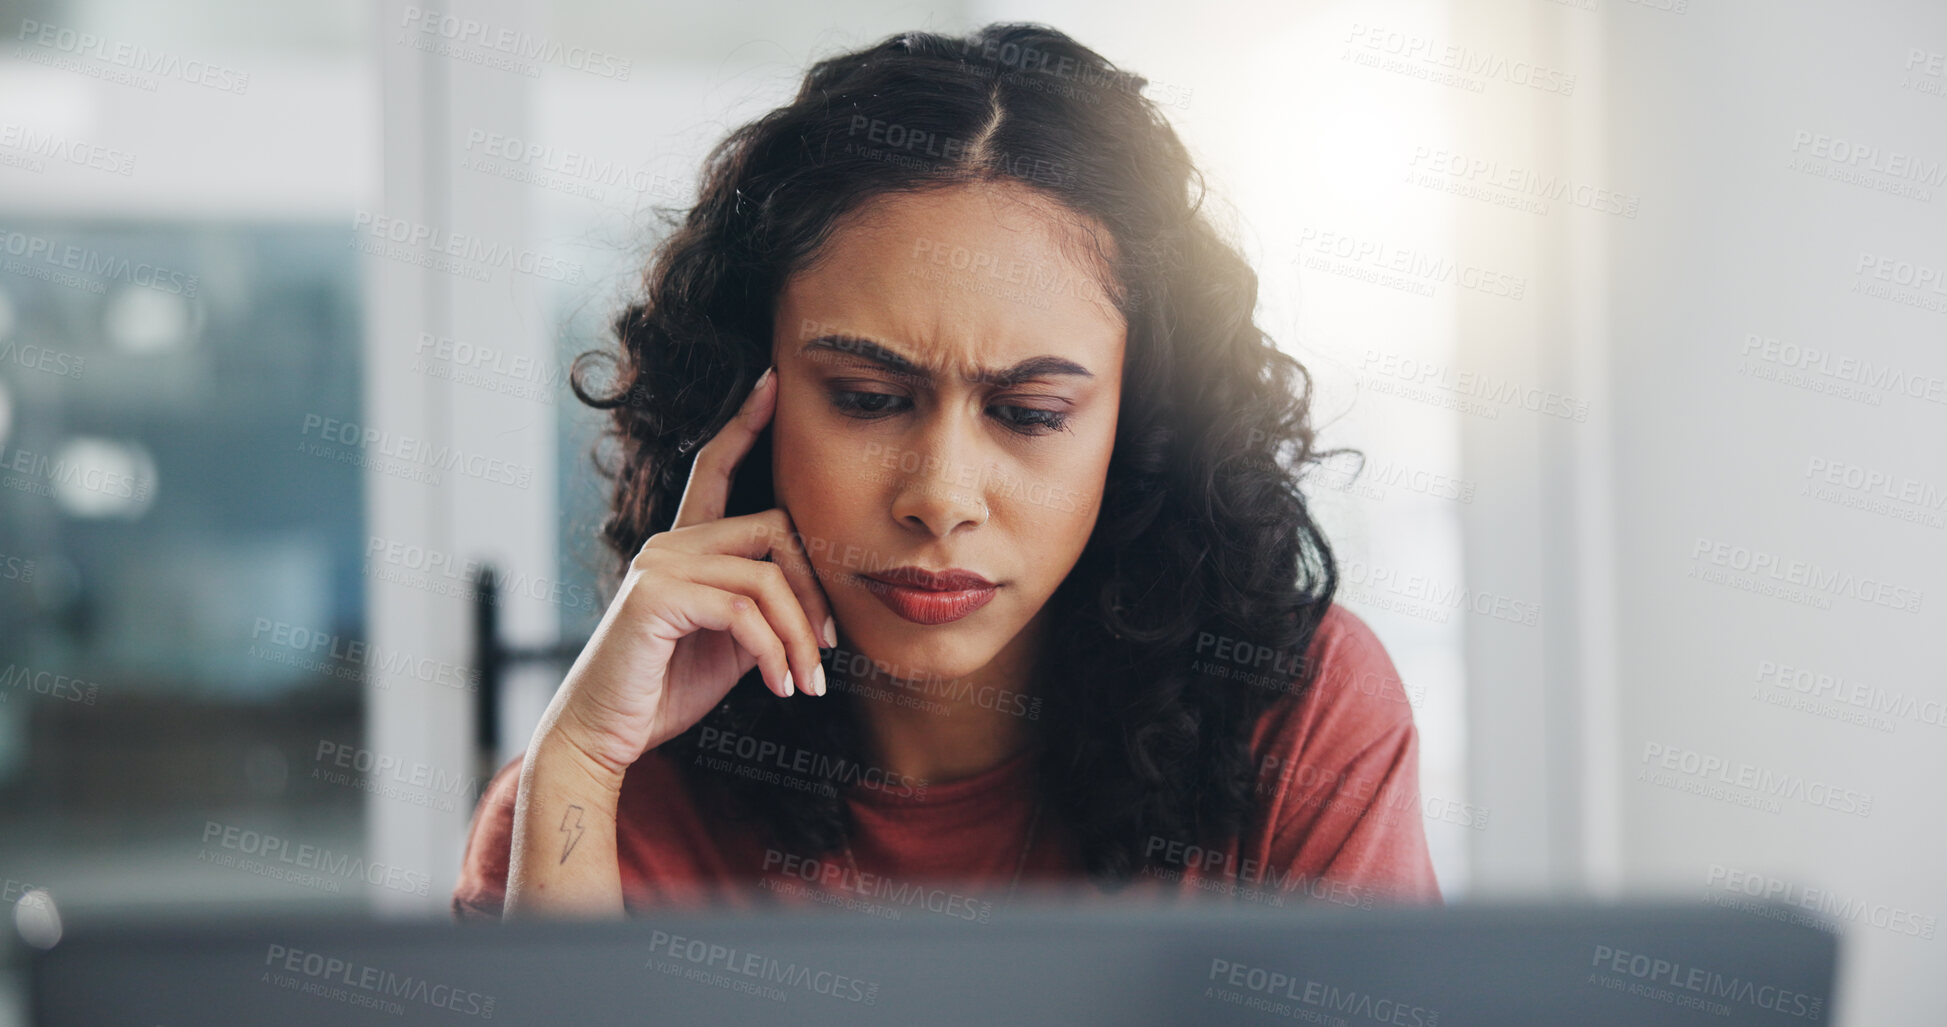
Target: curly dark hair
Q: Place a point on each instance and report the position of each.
(1203, 528)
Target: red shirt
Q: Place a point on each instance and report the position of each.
(1337, 818)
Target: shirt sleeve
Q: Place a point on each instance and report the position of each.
(482, 889)
(1341, 766)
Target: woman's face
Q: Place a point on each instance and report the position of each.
(949, 376)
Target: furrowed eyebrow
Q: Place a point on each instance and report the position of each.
(1032, 367)
(866, 349)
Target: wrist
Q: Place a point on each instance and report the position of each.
(564, 764)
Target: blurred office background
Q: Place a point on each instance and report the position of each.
(1635, 308)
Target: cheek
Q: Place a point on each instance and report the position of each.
(799, 454)
(821, 479)
(1054, 506)
(1056, 514)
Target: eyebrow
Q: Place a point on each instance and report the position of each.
(1032, 367)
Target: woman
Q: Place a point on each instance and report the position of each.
(959, 536)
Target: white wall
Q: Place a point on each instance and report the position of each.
(1735, 241)
(498, 503)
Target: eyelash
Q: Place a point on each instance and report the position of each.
(1038, 422)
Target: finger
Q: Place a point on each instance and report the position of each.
(692, 606)
(708, 490)
(770, 535)
(789, 554)
(769, 585)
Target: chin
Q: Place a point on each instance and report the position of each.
(916, 652)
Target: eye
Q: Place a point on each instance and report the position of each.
(867, 405)
(1031, 420)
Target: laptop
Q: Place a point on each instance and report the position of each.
(1043, 961)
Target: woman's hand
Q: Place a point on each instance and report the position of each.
(701, 604)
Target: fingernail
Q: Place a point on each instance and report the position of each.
(756, 390)
(831, 633)
(818, 680)
(788, 689)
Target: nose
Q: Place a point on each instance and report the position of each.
(944, 493)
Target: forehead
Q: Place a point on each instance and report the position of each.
(979, 274)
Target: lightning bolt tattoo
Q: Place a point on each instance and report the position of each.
(571, 830)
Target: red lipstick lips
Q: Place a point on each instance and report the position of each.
(930, 597)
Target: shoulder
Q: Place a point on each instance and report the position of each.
(1338, 773)
(1346, 695)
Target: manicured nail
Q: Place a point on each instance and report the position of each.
(818, 680)
(756, 393)
(787, 683)
(831, 633)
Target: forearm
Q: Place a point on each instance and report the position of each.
(563, 858)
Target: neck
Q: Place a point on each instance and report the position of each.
(943, 730)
